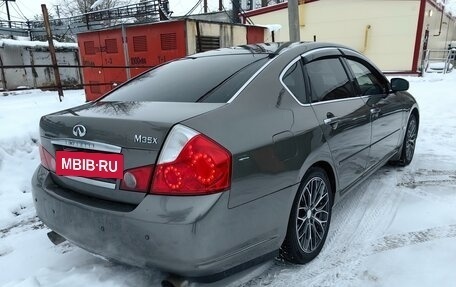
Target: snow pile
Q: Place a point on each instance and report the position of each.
(271, 27)
(19, 117)
(96, 4)
(32, 44)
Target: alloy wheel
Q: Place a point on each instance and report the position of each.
(313, 215)
(411, 139)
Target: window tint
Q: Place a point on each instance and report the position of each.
(368, 83)
(226, 90)
(202, 79)
(328, 80)
(294, 80)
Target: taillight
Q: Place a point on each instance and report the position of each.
(137, 179)
(191, 164)
(47, 160)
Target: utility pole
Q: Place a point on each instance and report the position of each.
(205, 6)
(293, 20)
(8, 13)
(47, 26)
(57, 10)
(220, 5)
(236, 11)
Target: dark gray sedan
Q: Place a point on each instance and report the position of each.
(211, 163)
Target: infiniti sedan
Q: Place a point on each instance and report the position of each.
(211, 163)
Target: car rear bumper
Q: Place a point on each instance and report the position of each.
(188, 236)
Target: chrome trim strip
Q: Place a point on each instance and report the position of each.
(92, 182)
(287, 67)
(251, 79)
(338, 100)
(85, 144)
(285, 70)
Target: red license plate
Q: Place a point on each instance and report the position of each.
(87, 164)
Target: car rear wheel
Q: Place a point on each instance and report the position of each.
(408, 146)
(309, 219)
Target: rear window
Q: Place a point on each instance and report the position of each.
(204, 79)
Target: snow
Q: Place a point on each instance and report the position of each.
(28, 43)
(96, 4)
(271, 27)
(398, 228)
(450, 6)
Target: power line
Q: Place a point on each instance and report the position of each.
(19, 12)
(11, 16)
(228, 14)
(25, 7)
(193, 8)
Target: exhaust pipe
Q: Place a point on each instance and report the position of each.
(55, 238)
(173, 281)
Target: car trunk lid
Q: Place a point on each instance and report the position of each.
(137, 130)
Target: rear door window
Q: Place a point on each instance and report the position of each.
(328, 80)
(212, 79)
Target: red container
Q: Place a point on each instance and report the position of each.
(255, 34)
(151, 45)
(98, 50)
(110, 57)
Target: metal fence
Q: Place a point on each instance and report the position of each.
(144, 12)
(439, 60)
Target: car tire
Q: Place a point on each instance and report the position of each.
(309, 219)
(409, 142)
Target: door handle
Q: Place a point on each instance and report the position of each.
(333, 122)
(375, 111)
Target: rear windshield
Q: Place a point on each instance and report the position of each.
(204, 79)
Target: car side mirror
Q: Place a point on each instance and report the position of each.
(399, 85)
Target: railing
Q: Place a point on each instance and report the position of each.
(149, 11)
(439, 60)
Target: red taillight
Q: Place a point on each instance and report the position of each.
(191, 164)
(47, 160)
(137, 179)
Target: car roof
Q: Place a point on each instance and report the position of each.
(271, 49)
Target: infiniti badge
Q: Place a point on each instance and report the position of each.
(79, 130)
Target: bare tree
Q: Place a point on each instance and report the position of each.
(69, 8)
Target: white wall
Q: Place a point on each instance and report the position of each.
(36, 77)
(390, 39)
(230, 35)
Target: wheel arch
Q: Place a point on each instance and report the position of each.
(327, 167)
(417, 115)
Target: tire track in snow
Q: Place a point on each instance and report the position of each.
(424, 177)
(30, 223)
(395, 241)
(358, 220)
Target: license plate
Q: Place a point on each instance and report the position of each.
(85, 164)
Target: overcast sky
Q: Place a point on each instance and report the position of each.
(28, 8)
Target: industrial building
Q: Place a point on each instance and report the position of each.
(394, 34)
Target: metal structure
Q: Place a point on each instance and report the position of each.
(143, 12)
(439, 61)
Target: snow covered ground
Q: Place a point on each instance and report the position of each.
(397, 229)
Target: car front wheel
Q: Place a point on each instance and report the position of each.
(309, 219)
(408, 146)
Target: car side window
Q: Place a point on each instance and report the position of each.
(294, 81)
(328, 80)
(368, 82)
